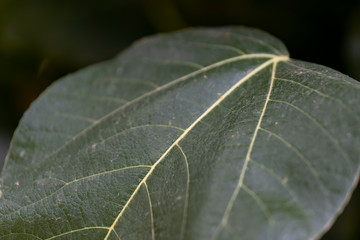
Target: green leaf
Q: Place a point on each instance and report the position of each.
(202, 134)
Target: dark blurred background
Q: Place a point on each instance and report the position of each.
(42, 40)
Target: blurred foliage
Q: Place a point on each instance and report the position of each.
(351, 45)
(42, 40)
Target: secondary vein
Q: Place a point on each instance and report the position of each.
(240, 184)
(159, 89)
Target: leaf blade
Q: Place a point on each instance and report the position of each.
(167, 133)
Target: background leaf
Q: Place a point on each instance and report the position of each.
(199, 134)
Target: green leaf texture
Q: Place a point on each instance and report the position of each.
(201, 134)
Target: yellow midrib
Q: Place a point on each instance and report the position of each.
(273, 59)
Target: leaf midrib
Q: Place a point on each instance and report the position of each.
(273, 59)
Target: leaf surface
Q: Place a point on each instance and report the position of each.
(198, 134)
